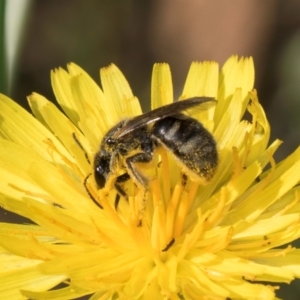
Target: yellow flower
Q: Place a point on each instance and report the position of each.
(228, 238)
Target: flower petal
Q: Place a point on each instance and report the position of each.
(161, 86)
(202, 80)
(118, 92)
(18, 272)
(19, 126)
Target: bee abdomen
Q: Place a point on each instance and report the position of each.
(190, 142)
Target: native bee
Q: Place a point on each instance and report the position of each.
(134, 141)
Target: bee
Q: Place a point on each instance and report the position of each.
(135, 140)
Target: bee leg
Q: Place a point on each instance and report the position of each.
(142, 157)
(120, 179)
(117, 200)
(184, 179)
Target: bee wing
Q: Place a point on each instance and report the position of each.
(165, 111)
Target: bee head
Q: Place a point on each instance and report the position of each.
(101, 169)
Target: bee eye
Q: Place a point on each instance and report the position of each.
(101, 171)
(110, 142)
(100, 179)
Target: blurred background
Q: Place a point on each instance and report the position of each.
(136, 34)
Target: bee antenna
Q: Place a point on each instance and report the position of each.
(88, 191)
(81, 147)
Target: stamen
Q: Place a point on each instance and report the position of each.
(109, 209)
(237, 165)
(165, 175)
(249, 138)
(191, 238)
(104, 238)
(134, 210)
(171, 211)
(140, 205)
(187, 199)
(158, 233)
(220, 241)
(192, 194)
(156, 192)
(217, 211)
(263, 183)
(181, 214)
(140, 234)
(158, 236)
